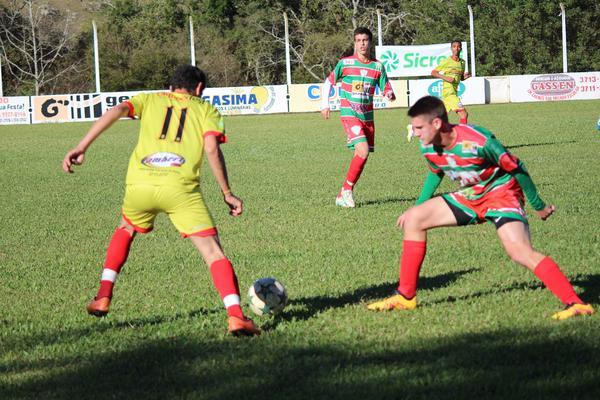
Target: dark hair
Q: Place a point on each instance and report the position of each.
(187, 77)
(455, 41)
(361, 30)
(431, 106)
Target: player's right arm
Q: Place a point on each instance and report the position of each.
(432, 182)
(437, 72)
(326, 88)
(76, 156)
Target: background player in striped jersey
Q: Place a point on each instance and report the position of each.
(492, 182)
(451, 71)
(359, 75)
(176, 129)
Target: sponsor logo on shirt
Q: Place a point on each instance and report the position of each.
(348, 62)
(162, 160)
(469, 147)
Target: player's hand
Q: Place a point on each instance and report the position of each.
(73, 157)
(325, 113)
(401, 220)
(546, 212)
(466, 75)
(391, 96)
(235, 204)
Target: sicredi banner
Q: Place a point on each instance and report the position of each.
(14, 110)
(470, 91)
(307, 97)
(553, 87)
(248, 99)
(415, 60)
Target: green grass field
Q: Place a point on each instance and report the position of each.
(482, 330)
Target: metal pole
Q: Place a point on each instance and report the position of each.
(564, 37)
(472, 38)
(192, 48)
(1, 94)
(96, 57)
(288, 68)
(379, 32)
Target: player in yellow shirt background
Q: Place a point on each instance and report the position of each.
(451, 71)
(176, 129)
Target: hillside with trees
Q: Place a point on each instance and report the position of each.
(46, 46)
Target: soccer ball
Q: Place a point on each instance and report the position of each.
(267, 296)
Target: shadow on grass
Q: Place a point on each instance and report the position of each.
(385, 200)
(531, 363)
(317, 304)
(110, 323)
(516, 146)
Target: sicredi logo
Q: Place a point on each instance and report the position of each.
(435, 89)
(162, 160)
(553, 85)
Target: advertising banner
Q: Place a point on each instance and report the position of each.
(307, 97)
(415, 60)
(14, 110)
(248, 99)
(65, 108)
(470, 91)
(553, 87)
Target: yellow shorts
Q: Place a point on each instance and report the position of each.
(184, 206)
(452, 102)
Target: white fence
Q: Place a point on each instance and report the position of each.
(252, 100)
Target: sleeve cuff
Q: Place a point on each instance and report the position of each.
(221, 138)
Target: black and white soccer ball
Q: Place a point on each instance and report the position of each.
(267, 296)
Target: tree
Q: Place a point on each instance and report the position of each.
(34, 41)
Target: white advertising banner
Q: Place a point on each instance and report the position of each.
(470, 91)
(552, 87)
(307, 97)
(14, 110)
(248, 99)
(415, 60)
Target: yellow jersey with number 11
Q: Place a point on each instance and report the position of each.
(171, 139)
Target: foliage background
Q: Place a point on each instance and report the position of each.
(241, 42)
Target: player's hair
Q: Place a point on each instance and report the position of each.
(431, 106)
(455, 41)
(187, 77)
(361, 30)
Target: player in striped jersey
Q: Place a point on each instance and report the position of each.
(492, 182)
(451, 71)
(176, 129)
(359, 75)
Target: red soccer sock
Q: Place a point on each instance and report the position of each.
(116, 255)
(551, 275)
(413, 254)
(463, 120)
(226, 283)
(356, 167)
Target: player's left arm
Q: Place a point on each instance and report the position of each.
(495, 151)
(216, 160)
(76, 156)
(385, 85)
(466, 75)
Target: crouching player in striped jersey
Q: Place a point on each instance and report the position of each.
(360, 75)
(176, 129)
(492, 182)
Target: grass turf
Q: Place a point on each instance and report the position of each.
(482, 328)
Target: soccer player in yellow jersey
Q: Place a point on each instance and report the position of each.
(452, 70)
(177, 127)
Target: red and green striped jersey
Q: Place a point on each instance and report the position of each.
(359, 80)
(480, 163)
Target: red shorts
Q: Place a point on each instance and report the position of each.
(505, 201)
(359, 131)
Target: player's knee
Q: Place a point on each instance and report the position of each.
(362, 151)
(414, 220)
